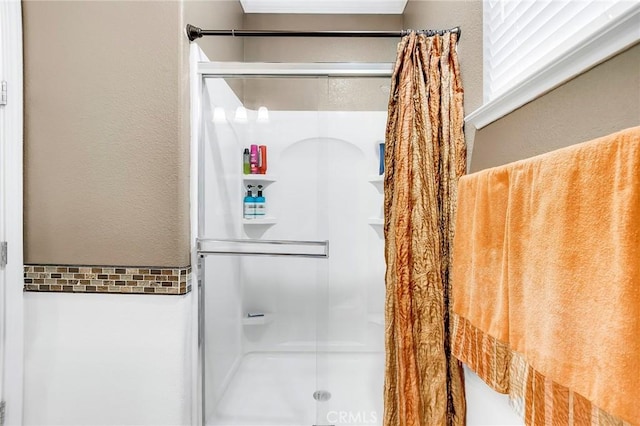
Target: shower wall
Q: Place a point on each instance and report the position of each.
(222, 217)
(322, 162)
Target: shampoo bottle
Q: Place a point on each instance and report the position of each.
(253, 159)
(262, 168)
(381, 168)
(249, 210)
(246, 165)
(261, 206)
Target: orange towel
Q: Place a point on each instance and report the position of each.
(482, 217)
(563, 295)
(484, 212)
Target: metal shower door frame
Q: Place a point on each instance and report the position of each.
(200, 70)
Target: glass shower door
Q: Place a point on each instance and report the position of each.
(263, 276)
(260, 357)
(293, 336)
(350, 358)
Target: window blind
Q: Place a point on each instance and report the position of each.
(521, 38)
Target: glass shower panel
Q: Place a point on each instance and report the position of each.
(260, 347)
(350, 362)
(264, 277)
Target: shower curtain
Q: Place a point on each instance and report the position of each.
(424, 156)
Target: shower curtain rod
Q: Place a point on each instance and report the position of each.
(194, 32)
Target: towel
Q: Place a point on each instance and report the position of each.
(482, 214)
(546, 281)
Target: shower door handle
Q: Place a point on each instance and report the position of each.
(317, 249)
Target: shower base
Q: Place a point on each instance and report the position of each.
(277, 389)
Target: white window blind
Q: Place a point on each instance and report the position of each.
(522, 38)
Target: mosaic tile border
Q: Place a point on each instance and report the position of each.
(107, 279)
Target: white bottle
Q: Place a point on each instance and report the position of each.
(261, 205)
(249, 204)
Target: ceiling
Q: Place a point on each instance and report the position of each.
(325, 6)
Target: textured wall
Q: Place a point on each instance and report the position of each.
(214, 15)
(355, 94)
(102, 163)
(599, 102)
(422, 14)
(466, 14)
(217, 14)
(106, 129)
(309, 49)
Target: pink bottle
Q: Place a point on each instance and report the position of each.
(253, 159)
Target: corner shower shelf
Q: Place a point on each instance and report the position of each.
(376, 221)
(269, 220)
(259, 178)
(376, 318)
(263, 320)
(377, 181)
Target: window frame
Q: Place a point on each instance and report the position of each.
(622, 33)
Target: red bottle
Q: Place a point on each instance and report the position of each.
(262, 167)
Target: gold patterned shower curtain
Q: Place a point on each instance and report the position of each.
(424, 156)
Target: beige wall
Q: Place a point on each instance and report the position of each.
(217, 14)
(106, 130)
(466, 14)
(423, 14)
(599, 102)
(308, 49)
(351, 94)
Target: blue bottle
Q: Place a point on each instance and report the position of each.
(261, 206)
(381, 168)
(249, 204)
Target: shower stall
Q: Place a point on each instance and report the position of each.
(290, 303)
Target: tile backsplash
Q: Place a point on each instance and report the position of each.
(107, 279)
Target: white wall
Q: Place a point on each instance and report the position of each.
(11, 217)
(485, 406)
(107, 359)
